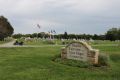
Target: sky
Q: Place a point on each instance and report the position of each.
(73, 16)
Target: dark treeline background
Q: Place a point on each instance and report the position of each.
(112, 34)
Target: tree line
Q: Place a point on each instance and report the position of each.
(6, 30)
(112, 34)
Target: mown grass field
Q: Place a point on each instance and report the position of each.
(36, 64)
(2, 42)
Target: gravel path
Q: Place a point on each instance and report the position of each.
(9, 44)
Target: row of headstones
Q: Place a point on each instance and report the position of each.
(28, 38)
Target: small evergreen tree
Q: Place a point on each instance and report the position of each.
(65, 35)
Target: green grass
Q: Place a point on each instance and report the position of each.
(39, 42)
(2, 42)
(36, 64)
(6, 40)
(59, 42)
(96, 42)
(45, 42)
(73, 63)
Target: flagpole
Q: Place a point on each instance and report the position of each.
(53, 34)
(38, 30)
(56, 39)
(50, 35)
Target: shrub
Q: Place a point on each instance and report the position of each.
(57, 56)
(65, 42)
(69, 62)
(74, 63)
(103, 60)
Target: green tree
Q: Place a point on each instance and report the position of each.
(65, 35)
(34, 35)
(118, 34)
(112, 34)
(16, 36)
(95, 37)
(5, 28)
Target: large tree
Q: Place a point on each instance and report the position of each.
(113, 34)
(5, 28)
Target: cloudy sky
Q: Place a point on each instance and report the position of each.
(73, 16)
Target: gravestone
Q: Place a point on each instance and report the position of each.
(80, 51)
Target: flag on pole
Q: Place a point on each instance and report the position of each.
(51, 31)
(38, 26)
(54, 31)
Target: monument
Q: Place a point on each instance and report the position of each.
(80, 51)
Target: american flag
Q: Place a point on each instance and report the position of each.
(38, 26)
(51, 31)
(54, 31)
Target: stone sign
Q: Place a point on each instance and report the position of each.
(80, 51)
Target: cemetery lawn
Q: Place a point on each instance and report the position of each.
(36, 64)
(2, 42)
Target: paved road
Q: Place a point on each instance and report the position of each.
(9, 44)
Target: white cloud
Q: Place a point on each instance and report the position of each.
(78, 15)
